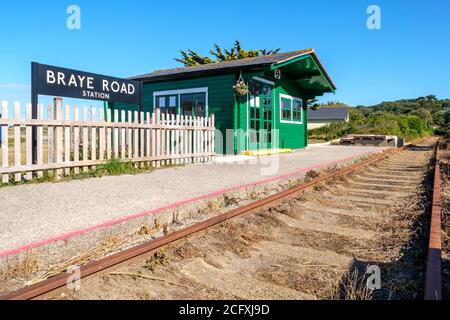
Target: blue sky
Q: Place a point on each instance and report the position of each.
(408, 57)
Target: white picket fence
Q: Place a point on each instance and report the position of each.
(70, 141)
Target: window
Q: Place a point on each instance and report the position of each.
(188, 102)
(291, 109)
(167, 104)
(193, 104)
(297, 111)
(286, 109)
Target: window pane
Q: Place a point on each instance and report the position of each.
(186, 105)
(297, 112)
(161, 102)
(286, 109)
(173, 101)
(194, 104)
(200, 105)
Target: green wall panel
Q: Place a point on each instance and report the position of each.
(230, 111)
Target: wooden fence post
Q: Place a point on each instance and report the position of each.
(101, 138)
(5, 142)
(185, 139)
(84, 128)
(148, 138)
(76, 140)
(177, 139)
(136, 136)
(142, 138)
(153, 138)
(28, 143)
(130, 135)
(17, 143)
(158, 136)
(190, 139)
(50, 139)
(123, 142)
(58, 136)
(213, 138)
(40, 142)
(116, 135)
(164, 139)
(67, 140)
(93, 136)
(109, 136)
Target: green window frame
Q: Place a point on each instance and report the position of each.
(291, 109)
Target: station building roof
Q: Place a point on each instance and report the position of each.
(302, 67)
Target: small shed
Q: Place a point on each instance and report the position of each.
(327, 115)
(271, 114)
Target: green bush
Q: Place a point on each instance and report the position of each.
(114, 167)
(408, 127)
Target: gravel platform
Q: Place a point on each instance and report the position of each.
(37, 212)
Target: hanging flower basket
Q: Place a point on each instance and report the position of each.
(240, 88)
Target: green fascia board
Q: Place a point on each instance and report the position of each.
(278, 66)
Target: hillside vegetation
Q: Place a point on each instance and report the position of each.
(409, 119)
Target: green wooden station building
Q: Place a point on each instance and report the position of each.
(270, 112)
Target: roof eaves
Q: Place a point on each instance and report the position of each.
(308, 51)
(316, 58)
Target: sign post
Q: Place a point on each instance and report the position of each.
(34, 110)
(62, 82)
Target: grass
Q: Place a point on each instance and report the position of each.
(20, 268)
(114, 167)
(158, 259)
(351, 287)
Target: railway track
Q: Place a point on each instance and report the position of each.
(314, 241)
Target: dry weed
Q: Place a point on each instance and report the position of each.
(351, 287)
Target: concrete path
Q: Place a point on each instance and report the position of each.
(31, 214)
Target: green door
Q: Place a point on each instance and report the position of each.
(261, 117)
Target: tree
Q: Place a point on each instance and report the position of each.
(192, 58)
(331, 103)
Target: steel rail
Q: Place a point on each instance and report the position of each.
(91, 268)
(433, 282)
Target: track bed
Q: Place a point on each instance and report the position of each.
(314, 246)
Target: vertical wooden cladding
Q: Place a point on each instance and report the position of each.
(220, 97)
(291, 135)
(231, 111)
(85, 140)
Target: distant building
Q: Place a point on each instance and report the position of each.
(326, 115)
